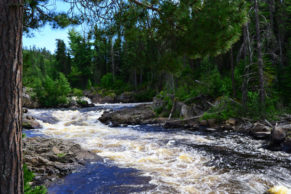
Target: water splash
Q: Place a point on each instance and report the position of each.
(177, 161)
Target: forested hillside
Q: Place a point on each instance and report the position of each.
(239, 50)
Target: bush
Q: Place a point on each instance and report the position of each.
(224, 109)
(77, 92)
(53, 92)
(145, 95)
(168, 99)
(28, 177)
(117, 85)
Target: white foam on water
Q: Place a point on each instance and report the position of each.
(173, 168)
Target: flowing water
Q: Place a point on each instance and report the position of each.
(152, 159)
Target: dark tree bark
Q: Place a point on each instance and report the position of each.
(248, 58)
(232, 73)
(112, 59)
(260, 58)
(246, 71)
(11, 18)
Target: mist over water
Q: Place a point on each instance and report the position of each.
(156, 160)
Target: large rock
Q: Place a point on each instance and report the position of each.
(27, 100)
(186, 111)
(192, 123)
(278, 134)
(108, 99)
(28, 122)
(83, 101)
(260, 131)
(158, 103)
(130, 116)
(126, 97)
(97, 98)
(51, 159)
(287, 143)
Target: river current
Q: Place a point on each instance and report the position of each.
(151, 159)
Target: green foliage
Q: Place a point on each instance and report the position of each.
(168, 100)
(61, 155)
(28, 177)
(77, 92)
(145, 95)
(53, 92)
(224, 109)
(117, 85)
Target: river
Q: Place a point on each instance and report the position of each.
(152, 159)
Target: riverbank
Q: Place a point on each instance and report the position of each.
(162, 160)
(276, 133)
(51, 159)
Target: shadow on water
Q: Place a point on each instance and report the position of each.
(102, 178)
(228, 152)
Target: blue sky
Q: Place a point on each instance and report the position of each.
(45, 37)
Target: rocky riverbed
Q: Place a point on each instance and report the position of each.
(278, 134)
(51, 159)
(147, 157)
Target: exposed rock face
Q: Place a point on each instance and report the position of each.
(260, 131)
(79, 102)
(192, 123)
(126, 97)
(281, 137)
(186, 111)
(278, 134)
(28, 122)
(130, 116)
(287, 143)
(97, 98)
(51, 159)
(27, 100)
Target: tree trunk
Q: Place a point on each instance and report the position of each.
(232, 73)
(11, 18)
(246, 71)
(260, 58)
(112, 59)
(135, 79)
(248, 59)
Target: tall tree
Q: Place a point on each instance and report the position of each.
(62, 58)
(260, 57)
(11, 17)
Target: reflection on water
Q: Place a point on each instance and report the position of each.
(176, 161)
(103, 178)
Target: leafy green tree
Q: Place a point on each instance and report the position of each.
(62, 58)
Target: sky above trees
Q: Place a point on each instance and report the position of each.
(46, 36)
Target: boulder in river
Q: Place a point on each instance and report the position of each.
(278, 134)
(28, 122)
(129, 116)
(51, 159)
(192, 123)
(260, 131)
(126, 97)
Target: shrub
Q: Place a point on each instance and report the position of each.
(77, 92)
(224, 109)
(53, 92)
(145, 95)
(117, 85)
(28, 177)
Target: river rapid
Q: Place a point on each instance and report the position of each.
(152, 159)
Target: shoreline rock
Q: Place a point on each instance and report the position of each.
(278, 138)
(52, 159)
(129, 116)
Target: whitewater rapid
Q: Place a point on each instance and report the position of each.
(177, 161)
